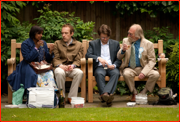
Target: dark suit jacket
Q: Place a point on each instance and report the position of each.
(94, 51)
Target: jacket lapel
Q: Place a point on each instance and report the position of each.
(142, 45)
(99, 48)
(111, 50)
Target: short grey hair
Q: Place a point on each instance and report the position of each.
(139, 31)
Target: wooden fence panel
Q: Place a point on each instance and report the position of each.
(102, 13)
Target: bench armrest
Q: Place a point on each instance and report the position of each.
(11, 61)
(11, 65)
(83, 61)
(162, 66)
(90, 66)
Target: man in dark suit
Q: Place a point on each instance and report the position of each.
(105, 62)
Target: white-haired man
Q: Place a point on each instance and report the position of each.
(139, 60)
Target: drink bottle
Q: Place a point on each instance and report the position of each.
(61, 100)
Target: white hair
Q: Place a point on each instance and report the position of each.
(139, 31)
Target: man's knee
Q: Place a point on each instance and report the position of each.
(80, 73)
(99, 73)
(155, 75)
(127, 73)
(116, 73)
(59, 71)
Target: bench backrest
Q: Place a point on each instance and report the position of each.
(158, 46)
(85, 44)
(15, 46)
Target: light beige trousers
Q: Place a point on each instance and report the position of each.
(76, 74)
(129, 75)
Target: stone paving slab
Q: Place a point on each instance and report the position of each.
(118, 102)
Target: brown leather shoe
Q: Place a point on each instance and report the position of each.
(69, 100)
(111, 98)
(105, 97)
(133, 99)
(101, 99)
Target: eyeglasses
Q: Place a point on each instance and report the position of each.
(104, 37)
(130, 34)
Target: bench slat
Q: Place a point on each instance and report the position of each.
(121, 78)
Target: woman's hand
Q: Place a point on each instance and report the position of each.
(39, 43)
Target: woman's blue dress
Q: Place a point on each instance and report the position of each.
(24, 74)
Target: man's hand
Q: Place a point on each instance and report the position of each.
(111, 67)
(125, 47)
(64, 67)
(70, 67)
(102, 61)
(141, 76)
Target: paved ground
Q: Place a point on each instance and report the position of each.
(119, 101)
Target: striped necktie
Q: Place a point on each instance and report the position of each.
(132, 58)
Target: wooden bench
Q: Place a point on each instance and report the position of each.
(161, 64)
(12, 66)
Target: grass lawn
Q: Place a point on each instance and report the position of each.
(90, 114)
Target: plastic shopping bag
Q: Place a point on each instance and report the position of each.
(18, 96)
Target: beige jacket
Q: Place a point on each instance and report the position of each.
(148, 59)
(71, 54)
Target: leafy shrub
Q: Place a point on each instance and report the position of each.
(173, 66)
(161, 34)
(52, 22)
(122, 88)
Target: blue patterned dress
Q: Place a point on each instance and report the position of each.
(45, 79)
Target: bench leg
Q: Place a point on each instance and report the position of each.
(9, 95)
(163, 75)
(90, 89)
(83, 88)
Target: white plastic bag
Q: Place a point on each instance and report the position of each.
(41, 97)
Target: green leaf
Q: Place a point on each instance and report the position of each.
(176, 8)
(164, 3)
(91, 2)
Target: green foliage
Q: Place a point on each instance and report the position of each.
(151, 7)
(161, 34)
(122, 88)
(8, 12)
(52, 22)
(172, 66)
(10, 26)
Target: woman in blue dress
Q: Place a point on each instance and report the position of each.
(33, 51)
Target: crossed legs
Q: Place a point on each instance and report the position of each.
(129, 75)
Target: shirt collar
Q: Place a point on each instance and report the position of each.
(70, 42)
(107, 43)
(138, 41)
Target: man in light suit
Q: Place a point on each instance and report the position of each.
(139, 60)
(105, 62)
